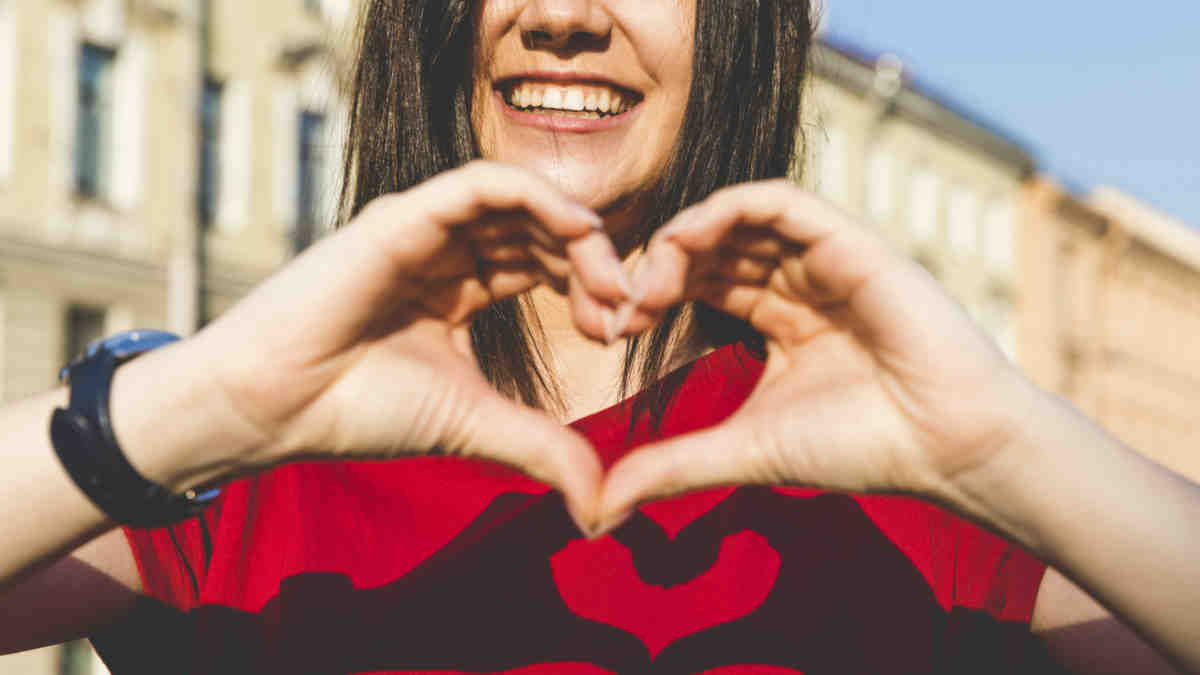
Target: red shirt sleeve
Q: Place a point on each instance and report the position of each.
(173, 561)
(993, 574)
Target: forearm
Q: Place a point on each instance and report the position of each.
(167, 424)
(1122, 527)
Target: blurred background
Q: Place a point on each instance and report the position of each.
(158, 158)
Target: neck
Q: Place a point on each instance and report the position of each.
(588, 373)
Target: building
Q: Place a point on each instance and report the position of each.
(1111, 306)
(121, 205)
(941, 185)
(1095, 298)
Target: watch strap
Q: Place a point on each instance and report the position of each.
(83, 438)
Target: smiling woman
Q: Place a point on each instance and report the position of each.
(684, 136)
(511, 162)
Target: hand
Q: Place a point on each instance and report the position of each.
(875, 380)
(360, 348)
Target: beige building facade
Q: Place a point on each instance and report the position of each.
(941, 187)
(1096, 298)
(122, 206)
(1111, 311)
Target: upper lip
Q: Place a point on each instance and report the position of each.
(567, 77)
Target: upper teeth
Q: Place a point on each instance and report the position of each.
(571, 97)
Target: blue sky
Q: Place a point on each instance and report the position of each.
(1102, 92)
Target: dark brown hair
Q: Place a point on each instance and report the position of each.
(410, 120)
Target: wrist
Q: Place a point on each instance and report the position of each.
(173, 424)
(1008, 489)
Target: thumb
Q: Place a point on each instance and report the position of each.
(722, 455)
(538, 446)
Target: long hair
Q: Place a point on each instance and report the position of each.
(410, 120)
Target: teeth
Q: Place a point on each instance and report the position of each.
(580, 98)
(573, 100)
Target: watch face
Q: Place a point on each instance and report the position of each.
(122, 346)
(131, 343)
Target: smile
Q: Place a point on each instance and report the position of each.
(584, 101)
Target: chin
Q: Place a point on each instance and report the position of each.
(597, 187)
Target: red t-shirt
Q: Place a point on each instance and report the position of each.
(438, 564)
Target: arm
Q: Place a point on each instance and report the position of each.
(72, 597)
(1124, 528)
(49, 597)
(1080, 634)
(47, 515)
(357, 349)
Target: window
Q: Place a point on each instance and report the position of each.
(75, 658)
(998, 234)
(236, 156)
(962, 220)
(879, 185)
(834, 174)
(923, 207)
(95, 109)
(311, 174)
(210, 151)
(8, 82)
(84, 325)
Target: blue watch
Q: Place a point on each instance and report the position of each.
(83, 439)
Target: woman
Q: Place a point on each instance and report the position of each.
(602, 120)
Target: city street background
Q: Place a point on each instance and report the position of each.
(157, 161)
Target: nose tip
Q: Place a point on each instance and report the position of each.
(562, 24)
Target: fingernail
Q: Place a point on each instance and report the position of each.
(610, 321)
(618, 272)
(602, 528)
(640, 274)
(589, 216)
(623, 317)
(685, 221)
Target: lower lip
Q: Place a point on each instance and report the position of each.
(565, 123)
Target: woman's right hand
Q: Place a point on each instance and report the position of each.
(360, 347)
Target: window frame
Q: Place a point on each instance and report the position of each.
(93, 125)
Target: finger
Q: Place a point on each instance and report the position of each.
(467, 193)
(755, 242)
(555, 265)
(594, 319)
(592, 255)
(722, 455)
(512, 250)
(540, 447)
(504, 280)
(483, 187)
(661, 275)
(594, 259)
(840, 256)
(741, 269)
(503, 225)
(779, 205)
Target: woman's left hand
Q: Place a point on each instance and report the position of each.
(875, 379)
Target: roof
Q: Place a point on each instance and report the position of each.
(1156, 229)
(854, 67)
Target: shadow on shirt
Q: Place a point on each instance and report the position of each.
(845, 600)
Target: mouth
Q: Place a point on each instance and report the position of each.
(593, 100)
